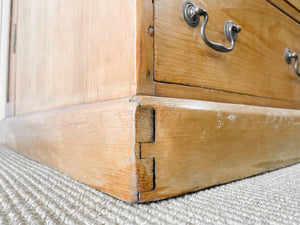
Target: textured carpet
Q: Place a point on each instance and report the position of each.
(31, 193)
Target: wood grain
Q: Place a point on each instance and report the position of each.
(206, 94)
(145, 48)
(144, 124)
(144, 133)
(286, 7)
(295, 3)
(148, 148)
(199, 144)
(74, 52)
(255, 67)
(97, 144)
(93, 143)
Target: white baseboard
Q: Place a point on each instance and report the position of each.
(2, 111)
(4, 47)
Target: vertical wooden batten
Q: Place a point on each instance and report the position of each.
(10, 108)
(144, 47)
(4, 55)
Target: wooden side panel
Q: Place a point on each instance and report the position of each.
(206, 94)
(72, 52)
(93, 143)
(199, 144)
(255, 67)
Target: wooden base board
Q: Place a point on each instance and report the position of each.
(93, 143)
(145, 148)
(200, 144)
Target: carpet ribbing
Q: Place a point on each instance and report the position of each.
(31, 193)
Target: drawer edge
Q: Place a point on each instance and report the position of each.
(206, 94)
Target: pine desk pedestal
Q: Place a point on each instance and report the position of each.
(128, 98)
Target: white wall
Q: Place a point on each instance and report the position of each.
(4, 42)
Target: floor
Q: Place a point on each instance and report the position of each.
(31, 193)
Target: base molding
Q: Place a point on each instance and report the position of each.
(93, 143)
(146, 148)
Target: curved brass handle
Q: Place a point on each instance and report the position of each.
(289, 56)
(191, 13)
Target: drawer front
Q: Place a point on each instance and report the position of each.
(289, 7)
(295, 3)
(256, 66)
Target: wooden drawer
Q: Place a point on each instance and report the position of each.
(256, 66)
(289, 7)
(295, 3)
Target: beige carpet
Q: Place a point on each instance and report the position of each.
(31, 193)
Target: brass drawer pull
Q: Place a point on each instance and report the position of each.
(289, 56)
(191, 13)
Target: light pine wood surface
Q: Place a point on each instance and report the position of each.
(145, 47)
(93, 143)
(97, 144)
(74, 52)
(207, 94)
(97, 51)
(255, 67)
(145, 148)
(288, 8)
(65, 69)
(199, 144)
(295, 3)
(71, 65)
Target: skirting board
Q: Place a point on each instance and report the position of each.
(145, 148)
